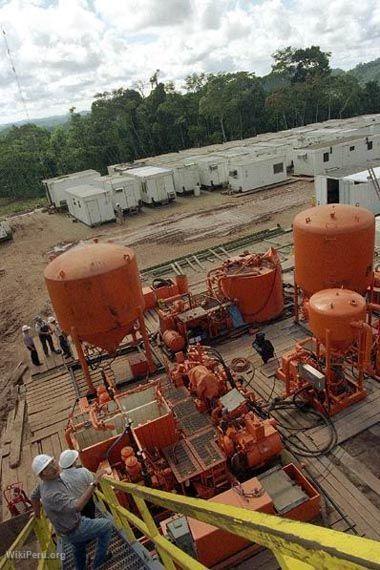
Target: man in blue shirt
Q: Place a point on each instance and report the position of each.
(64, 512)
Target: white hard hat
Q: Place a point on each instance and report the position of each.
(67, 458)
(51, 319)
(25, 328)
(40, 462)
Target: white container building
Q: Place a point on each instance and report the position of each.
(55, 188)
(213, 171)
(251, 173)
(186, 177)
(322, 157)
(125, 191)
(348, 186)
(90, 205)
(157, 184)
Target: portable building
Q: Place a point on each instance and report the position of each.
(90, 205)
(212, 169)
(125, 191)
(250, 173)
(157, 184)
(55, 188)
(348, 186)
(186, 177)
(320, 158)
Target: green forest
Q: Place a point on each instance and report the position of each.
(209, 108)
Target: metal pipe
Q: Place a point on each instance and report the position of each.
(82, 360)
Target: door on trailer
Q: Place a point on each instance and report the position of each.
(332, 191)
(93, 212)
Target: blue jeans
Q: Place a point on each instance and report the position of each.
(90, 529)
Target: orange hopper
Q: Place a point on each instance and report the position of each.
(96, 294)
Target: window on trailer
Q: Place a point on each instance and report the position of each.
(332, 191)
(277, 168)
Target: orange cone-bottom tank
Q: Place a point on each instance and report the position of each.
(333, 247)
(253, 282)
(336, 310)
(96, 289)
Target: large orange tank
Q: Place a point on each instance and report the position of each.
(254, 282)
(336, 310)
(96, 289)
(333, 247)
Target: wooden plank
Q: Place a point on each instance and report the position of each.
(46, 422)
(47, 446)
(357, 469)
(40, 434)
(56, 444)
(18, 428)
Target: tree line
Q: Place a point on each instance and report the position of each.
(126, 124)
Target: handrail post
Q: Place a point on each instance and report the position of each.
(153, 531)
(289, 563)
(112, 499)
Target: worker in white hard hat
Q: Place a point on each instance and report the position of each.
(45, 335)
(29, 343)
(60, 336)
(119, 214)
(64, 512)
(77, 479)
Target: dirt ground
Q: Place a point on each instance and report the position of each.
(159, 234)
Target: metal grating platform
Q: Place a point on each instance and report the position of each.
(124, 555)
(205, 448)
(182, 461)
(173, 394)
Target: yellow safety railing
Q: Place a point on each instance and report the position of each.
(296, 545)
(47, 556)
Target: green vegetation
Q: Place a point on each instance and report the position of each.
(365, 72)
(8, 207)
(124, 124)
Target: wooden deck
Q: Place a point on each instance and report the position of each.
(49, 393)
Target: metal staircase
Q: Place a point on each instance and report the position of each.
(374, 181)
(295, 545)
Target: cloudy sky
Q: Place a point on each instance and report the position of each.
(65, 51)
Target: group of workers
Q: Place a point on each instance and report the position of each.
(65, 491)
(46, 332)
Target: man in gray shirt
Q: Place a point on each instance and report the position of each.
(64, 512)
(77, 479)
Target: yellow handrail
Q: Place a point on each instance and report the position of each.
(296, 545)
(47, 557)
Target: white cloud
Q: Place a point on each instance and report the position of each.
(67, 50)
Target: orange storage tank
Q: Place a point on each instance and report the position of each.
(335, 310)
(96, 289)
(333, 247)
(254, 282)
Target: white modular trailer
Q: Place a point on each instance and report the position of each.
(186, 177)
(157, 184)
(125, 191)
(322, 157)
(90, 205)
(55, 188)
(348, 186)
(213, 171)
(250, 173)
